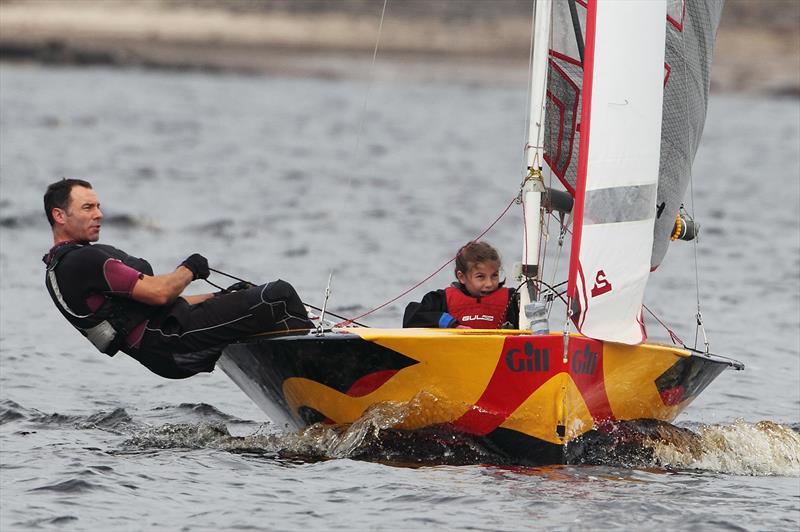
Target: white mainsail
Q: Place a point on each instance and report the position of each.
(617, 175)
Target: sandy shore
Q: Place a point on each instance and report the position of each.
(758, 46)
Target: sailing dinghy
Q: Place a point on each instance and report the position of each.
(618, 98)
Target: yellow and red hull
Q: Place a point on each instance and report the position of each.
(528, 395)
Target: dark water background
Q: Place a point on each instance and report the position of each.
(286, 177)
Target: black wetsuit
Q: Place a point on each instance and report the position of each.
(433, 312)
(92, 284)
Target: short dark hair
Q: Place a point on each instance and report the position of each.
(473, 253)
(57, 195)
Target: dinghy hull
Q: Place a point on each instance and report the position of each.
(535, 398)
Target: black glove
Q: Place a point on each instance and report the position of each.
(198, 266)
(241, 285)
(235, 287)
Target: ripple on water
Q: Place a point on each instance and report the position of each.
(73, 485)
(59, 520)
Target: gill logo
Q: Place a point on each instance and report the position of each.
(528, 359)
(584, 362)
(601, 284)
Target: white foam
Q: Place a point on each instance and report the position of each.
(756, 449)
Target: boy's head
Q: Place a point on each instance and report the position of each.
(478, 268)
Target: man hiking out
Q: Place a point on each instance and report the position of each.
(114, 299)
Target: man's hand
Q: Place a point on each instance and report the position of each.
(235, 287)
(198, 265)
(240, 285)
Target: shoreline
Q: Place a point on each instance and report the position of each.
(752, 58)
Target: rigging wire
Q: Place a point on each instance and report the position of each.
(674, 337)
(699, 317)
(362, 119)
(551, 289)
(370, 79)
(248, 282)
(426, 279)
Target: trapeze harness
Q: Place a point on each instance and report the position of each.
(108, 326)
(487, 312)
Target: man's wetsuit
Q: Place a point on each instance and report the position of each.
(434, 311)
(91, 284)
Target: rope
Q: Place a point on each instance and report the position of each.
(426, 279)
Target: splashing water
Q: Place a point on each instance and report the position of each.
(755, 449)
(385, 434)
(382, 434)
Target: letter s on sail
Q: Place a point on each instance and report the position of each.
(601, 284)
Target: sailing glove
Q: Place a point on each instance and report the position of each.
(235, 287)
(198, 265)
(241, 285)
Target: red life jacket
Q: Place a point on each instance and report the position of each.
(487, 312)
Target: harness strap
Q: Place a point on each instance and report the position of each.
(104, 328)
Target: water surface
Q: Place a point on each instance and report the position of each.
(294, 178)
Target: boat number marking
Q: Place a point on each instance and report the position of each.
(601, 284)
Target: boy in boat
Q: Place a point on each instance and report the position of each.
(114, 299)
(477, 300)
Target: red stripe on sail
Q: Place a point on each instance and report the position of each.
(583, 149)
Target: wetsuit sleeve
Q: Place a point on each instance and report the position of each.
(430, 312)
(120, 277)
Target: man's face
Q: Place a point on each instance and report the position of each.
(81, 219)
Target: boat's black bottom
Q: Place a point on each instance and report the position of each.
(623, 444)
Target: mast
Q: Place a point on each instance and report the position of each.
(533, 185)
